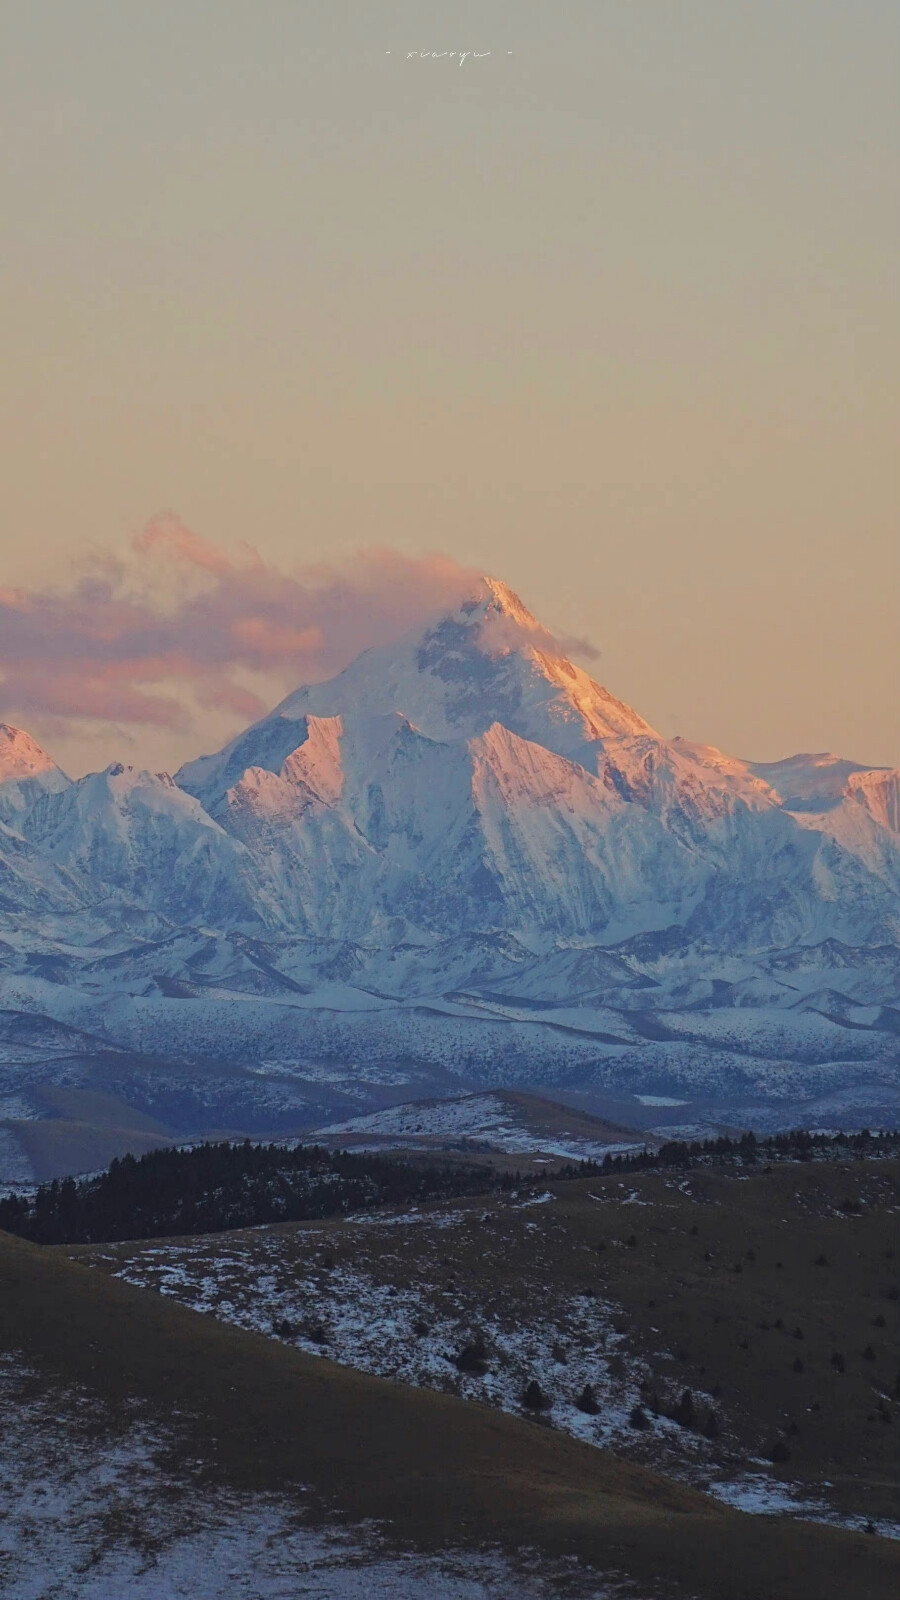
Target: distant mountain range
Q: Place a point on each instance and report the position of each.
(464, 855)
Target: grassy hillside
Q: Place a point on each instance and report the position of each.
(258, 1415)
(772, 1296)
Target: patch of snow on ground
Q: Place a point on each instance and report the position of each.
(88, 1516)
(479, 1117)
(765, 1497)
(366, 1313)
(414, 1334)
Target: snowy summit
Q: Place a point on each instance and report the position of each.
(461, 850)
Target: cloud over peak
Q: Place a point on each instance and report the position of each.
(180, 624)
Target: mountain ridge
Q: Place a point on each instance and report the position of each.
(617, 904)
(471, 772)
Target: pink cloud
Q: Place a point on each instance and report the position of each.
(134, 641)
(169, 534)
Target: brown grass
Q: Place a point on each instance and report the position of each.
(806, 1267)
(263, 1416)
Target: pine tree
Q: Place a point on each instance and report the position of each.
(684, 1413)
(587, 1401)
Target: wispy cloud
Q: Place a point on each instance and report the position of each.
(182, 623)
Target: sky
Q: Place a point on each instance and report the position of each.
(301, 329)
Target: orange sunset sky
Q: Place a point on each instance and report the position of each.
(610, 312)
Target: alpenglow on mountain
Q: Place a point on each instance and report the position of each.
(461, 856)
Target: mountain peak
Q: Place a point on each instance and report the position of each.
(26, 773)
(489, 661)
(20, 755)
(809, 781)
(496, 598)
(501, 622)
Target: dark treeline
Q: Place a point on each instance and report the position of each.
(209, 1188)
(748, 1150)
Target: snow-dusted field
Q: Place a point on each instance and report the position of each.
(89, 1515)
(356, 1320)
(393, 1305)
(486, 1118)
(756, 1493)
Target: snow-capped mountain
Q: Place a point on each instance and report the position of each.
(809, 782)
(373, 829)
(460, 852)
(26, 772)
(136, 835)
(31, 884)
(471, 775)
(490, 662)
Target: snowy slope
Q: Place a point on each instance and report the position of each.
(807, 782)
(26, 772)
(488, 662)
(821, 783)
(32, 884)
(136, 834)
(504, 1121)
(471, 776)
(480, 833)
(878, 792)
